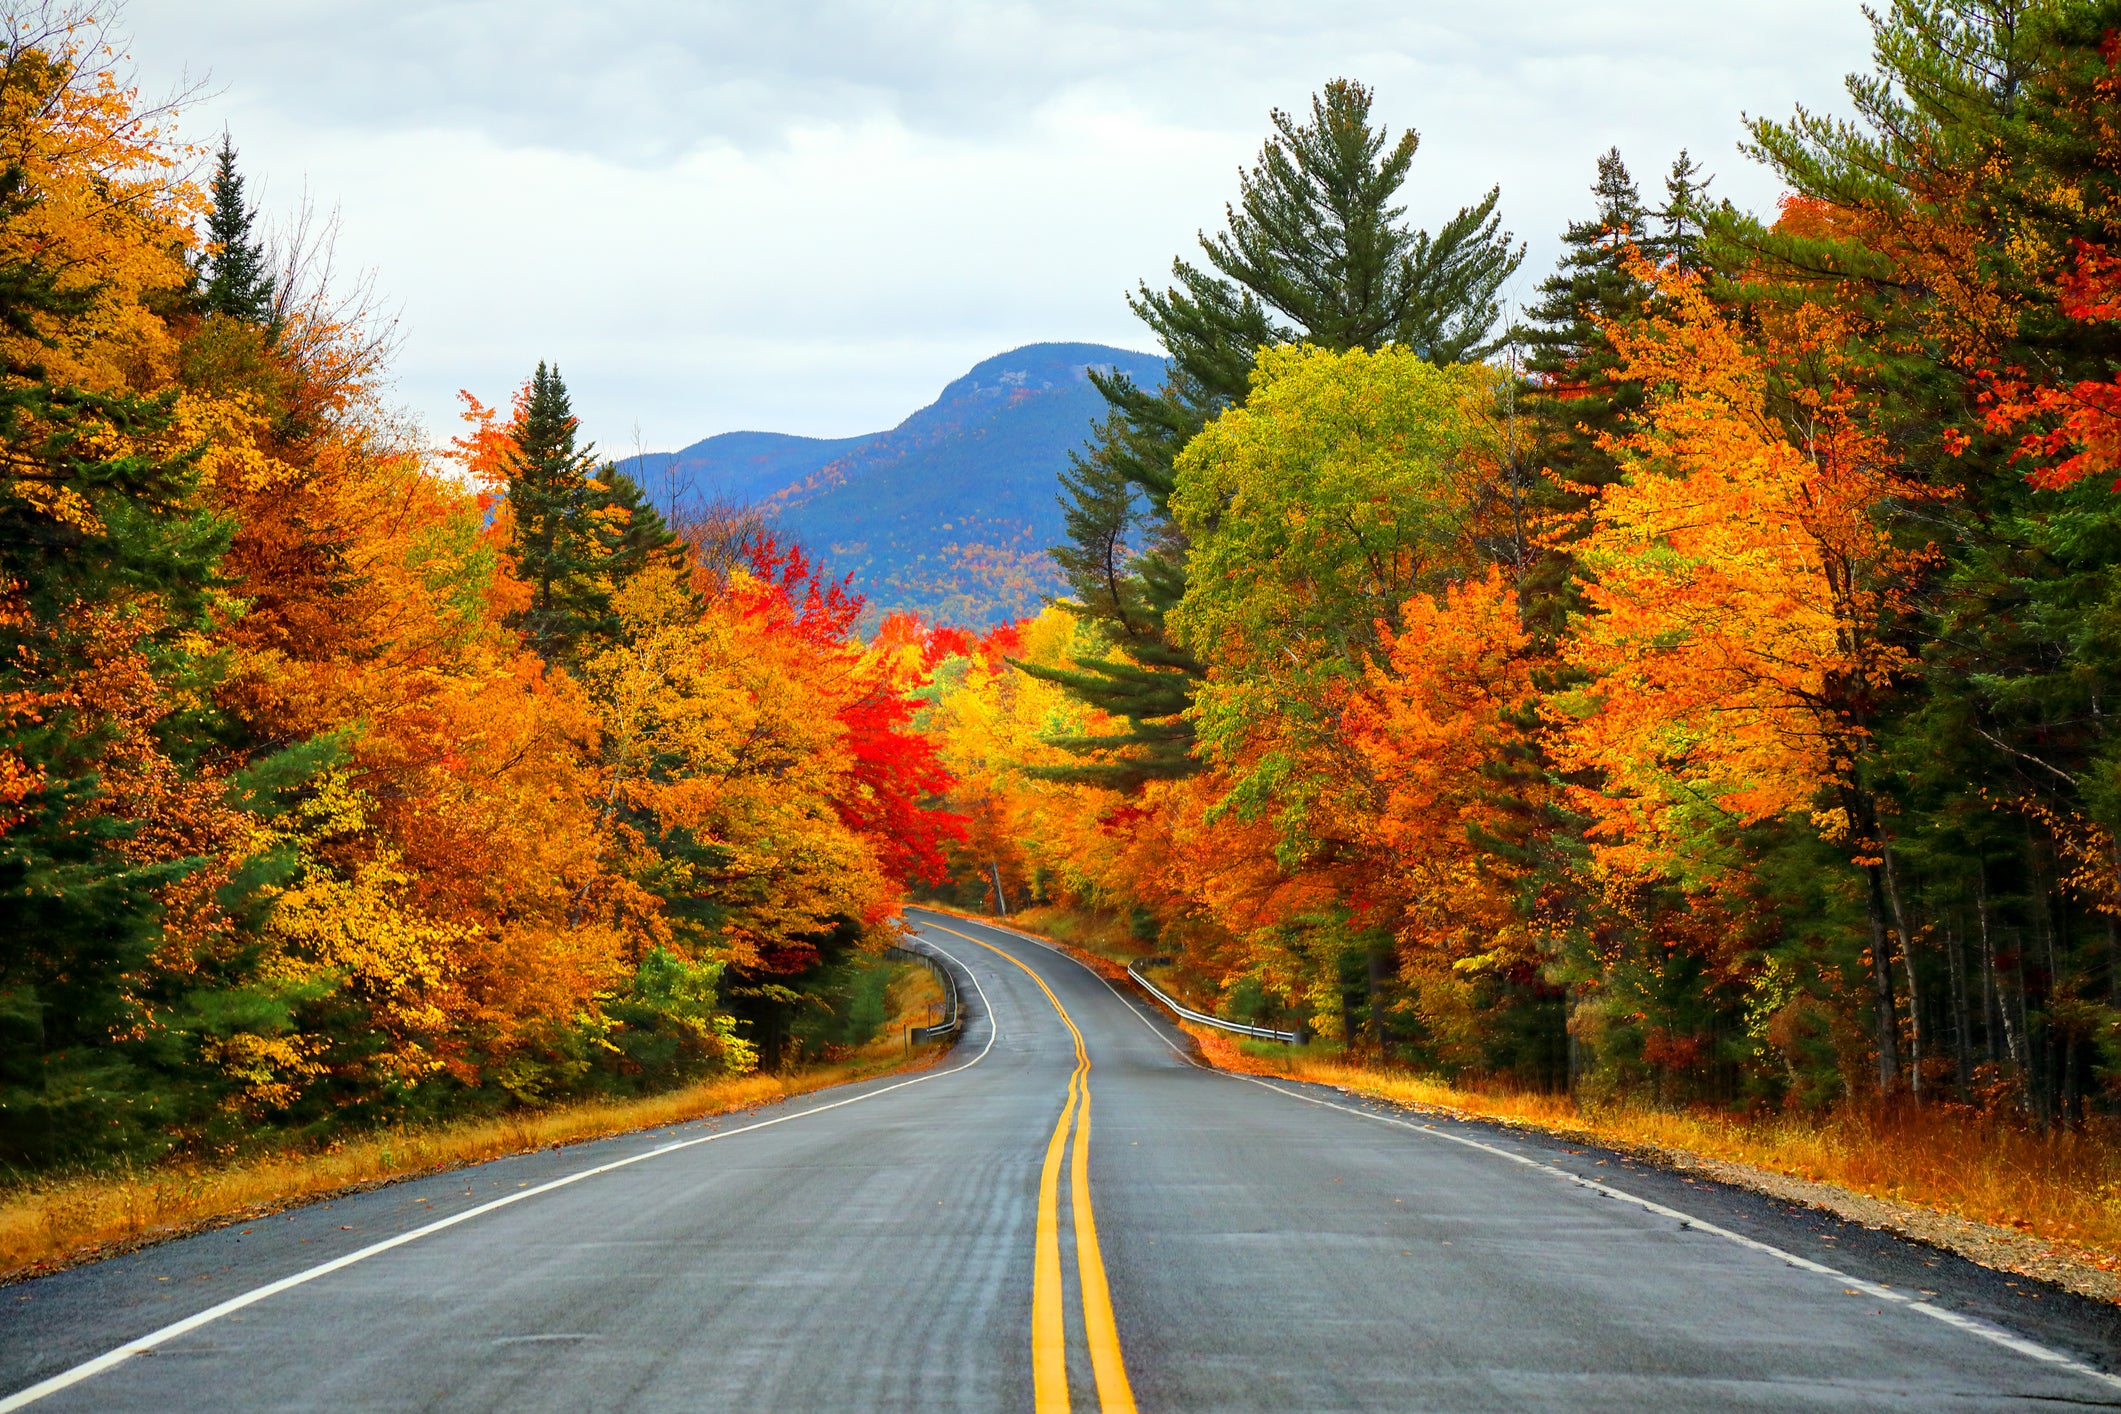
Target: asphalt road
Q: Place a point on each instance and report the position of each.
(927, 1242)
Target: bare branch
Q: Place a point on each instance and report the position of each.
(335, 328)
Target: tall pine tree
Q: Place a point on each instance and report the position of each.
(565, 529)
(1315, 251)
(1684, 219)
(1575, 400)
(238, 281)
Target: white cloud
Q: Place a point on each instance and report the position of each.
(808, 217)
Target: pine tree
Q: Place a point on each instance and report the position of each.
(1683, 221)
(1574, 400)
(99, 607)
(565, 530)
(1315, 251)
(1567, 355)
(1315, 239)
(238, 283)
(642, 535)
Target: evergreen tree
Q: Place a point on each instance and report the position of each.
(1573, 398)
(1683, 221)
(1574, 401)
(642, 535)
(1567, 355)
(89, 597)
(238, 283)
(566, 532)
(1315, 251)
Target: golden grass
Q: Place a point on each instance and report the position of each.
(2062, 1187)
(52, 1222)
(1105, 935)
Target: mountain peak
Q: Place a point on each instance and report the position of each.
(1044, 367)
(948, 514)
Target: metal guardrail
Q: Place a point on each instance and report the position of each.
(1264, 1033)
(953, 1014)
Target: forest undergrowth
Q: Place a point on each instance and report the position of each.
(52, 1221)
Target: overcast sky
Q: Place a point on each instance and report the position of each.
(807, 216)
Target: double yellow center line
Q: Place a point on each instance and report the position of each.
(1049, 1331)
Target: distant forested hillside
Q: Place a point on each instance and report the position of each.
(950, 512)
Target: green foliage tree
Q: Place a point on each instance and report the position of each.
(1683, 222)
(644, 537)
(1567, 356)
(1576, 401)
(1315, 251)
(1314, 512)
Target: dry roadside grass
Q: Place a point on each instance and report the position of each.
(1101, 936)
(54, 1222)
(2046, 1206)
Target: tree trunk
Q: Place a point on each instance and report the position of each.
(2034, 1097)
(1379, 972)
(2071, 1118)
(1568, 1026)
(1962, 1031)
(2113, 960)
(1994, 1019)
(1907, 961)
(1882, 987)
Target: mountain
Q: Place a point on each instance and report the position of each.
(738, 468)
(949, 513)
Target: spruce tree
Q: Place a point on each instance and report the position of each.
(564, 536)
(1567, 355)
(238, 283)
(1574, 400)
(1683, 221)
(1315, 251)
(641, 534)
(79, 912)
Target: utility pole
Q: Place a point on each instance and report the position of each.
(1001, 902)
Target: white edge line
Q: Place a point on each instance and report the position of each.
(1996, 1335)
(111, 1359)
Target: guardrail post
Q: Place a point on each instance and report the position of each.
(953, 1018)
(1187, 1013)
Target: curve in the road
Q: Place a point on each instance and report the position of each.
(1049, 1349)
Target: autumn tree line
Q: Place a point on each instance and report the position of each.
(346, 783)
(1692, 685)
(1696, 685)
